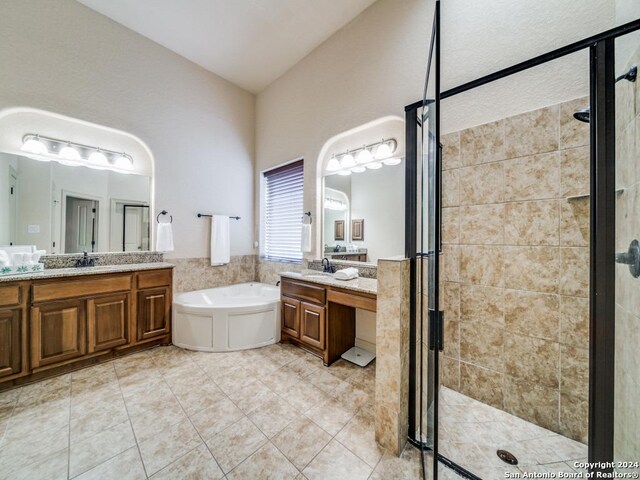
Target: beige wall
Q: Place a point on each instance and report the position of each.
(63, 57)
(516, 266)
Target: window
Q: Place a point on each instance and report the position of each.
(283, 187)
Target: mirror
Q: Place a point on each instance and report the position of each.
(373, 198)
(70, 209)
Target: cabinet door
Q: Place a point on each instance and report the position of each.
(58, 332)
(10, 341)
(153, 313)
(290, 316)
(312, 325)
(108, 322)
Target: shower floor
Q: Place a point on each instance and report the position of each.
(471, 432)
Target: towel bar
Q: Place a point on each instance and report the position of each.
(206, 215)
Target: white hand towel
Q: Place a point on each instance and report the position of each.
(164, 237)
(346, 274)
(4, 259)
(220, 240)
(306, 238)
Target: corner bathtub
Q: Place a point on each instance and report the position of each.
(223, 319)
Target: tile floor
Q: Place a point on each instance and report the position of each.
(166, 413)
(471, 432)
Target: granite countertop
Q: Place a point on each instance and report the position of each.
(360, 284)
(78, 272)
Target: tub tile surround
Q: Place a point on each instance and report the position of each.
(197, 273)
(171, 413)
(627, 318)
(516, 266)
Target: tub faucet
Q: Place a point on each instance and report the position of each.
(327, 267)
(278, 283)
(85, 261)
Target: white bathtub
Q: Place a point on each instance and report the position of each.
(223, 319)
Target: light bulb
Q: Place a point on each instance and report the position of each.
(364, 156)
(392, 161)
(347, 161)
(69, 153)
(333, 164)
(358, 169)
(98, 157)
(344, 173)
(383, 151)
(374, 165)
(34, 145)
(123, 161)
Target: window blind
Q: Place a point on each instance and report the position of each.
(283, 213)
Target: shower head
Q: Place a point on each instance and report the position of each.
(630, 75)
(583, 115)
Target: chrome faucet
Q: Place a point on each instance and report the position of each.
(85, 261)
(327, 267)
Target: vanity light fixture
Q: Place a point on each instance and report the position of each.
(34, 145)
(74, 154)
(333, 164)
(69, 153)
(366, 157)
(98, 158)
(347, 161)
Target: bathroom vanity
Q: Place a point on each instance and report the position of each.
(319, 312)
(61, 319)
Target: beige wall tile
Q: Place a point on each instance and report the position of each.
(482, 144)
(532, 132)
(574, 321)
(478, 303)
(572, 132)
(482, 184)
(450, 263)
(575, 172)
(533, 314)
(532, 359)
(482, 224)
(482, 265)
(532, 178)
(531, 401)
(625, 154)
(482, 343)
(451, 151)
(532, 223)
(451, 188)
(482, 384)
(450, 372)
(574, 372)
(575, 222)
(532, 268)
(574, 277)
(451, 225)
(574, 414)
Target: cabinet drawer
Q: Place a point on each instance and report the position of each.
(303, 291)
(10, 295)
(81, 288)
(155, 278)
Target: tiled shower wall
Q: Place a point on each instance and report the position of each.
(627, 321)
(516, 266)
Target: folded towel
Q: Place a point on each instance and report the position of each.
(4, 259)
(306, 238)
(220, 240)
(164, 238)
(346, 274)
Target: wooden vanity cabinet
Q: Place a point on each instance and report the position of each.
(12, 330)
(290, 311)
(321, 319)
(52, 325)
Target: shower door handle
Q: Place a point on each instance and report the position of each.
(436, 330)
